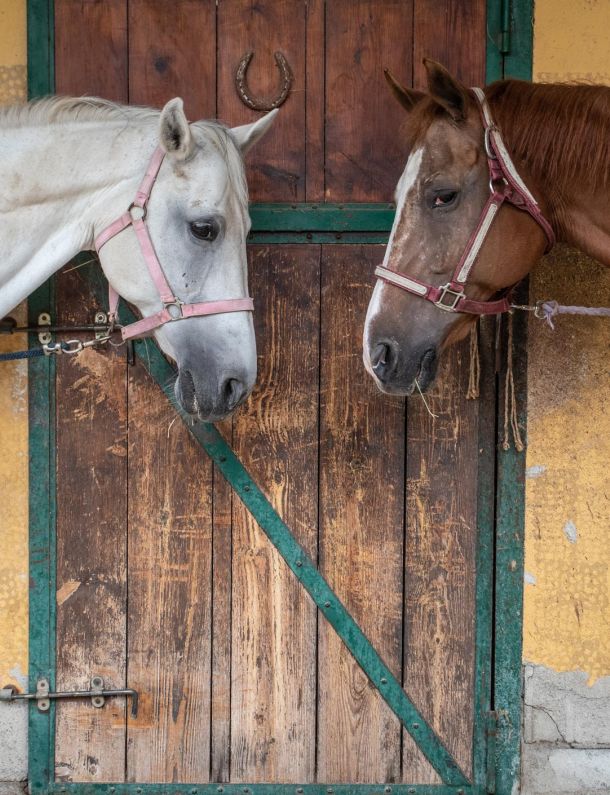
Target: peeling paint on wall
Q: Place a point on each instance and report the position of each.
(14, 460)
(567, 605)
(567, 614)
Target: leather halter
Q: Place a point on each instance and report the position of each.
(505, 185)
(173, 308)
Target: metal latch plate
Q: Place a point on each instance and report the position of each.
(97, 694)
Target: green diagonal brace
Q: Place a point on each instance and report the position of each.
(303, 568)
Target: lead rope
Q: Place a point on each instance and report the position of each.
(474, 374)
(510, 401)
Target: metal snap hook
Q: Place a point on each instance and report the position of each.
(241, 83)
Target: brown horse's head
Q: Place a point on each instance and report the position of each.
(439, 199)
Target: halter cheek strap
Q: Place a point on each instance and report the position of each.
(173, 308)
(505, 185)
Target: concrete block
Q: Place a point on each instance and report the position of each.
(13, 787)
(13, 741)
(561, 708)
(548, 770)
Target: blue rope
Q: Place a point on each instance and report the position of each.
(31, 354)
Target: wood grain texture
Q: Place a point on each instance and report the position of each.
(91, 548)
(172, 53)
(91, 48)
(273, 700)
(90, 58)
(276, 167)
(442, 475)
(364, 151)
(315, 101)
(440, 566)
(170, 567)
(220, 752)
(437, 29)
(361, 528)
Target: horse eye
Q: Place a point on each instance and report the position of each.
(444, 198)
(204, 230)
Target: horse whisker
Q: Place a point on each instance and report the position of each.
(430, 412)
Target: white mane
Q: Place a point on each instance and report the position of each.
(69, 110)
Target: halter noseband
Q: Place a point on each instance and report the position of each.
(173, 307)
(505, 185)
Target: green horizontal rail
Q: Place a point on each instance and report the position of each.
(297, 559)
(86, 788)
(323, 238)
(322, 217)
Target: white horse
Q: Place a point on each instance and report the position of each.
(69, 167)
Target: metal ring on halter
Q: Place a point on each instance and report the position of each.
(134, 206)
(176, 306)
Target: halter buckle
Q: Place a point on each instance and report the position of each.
(489, 150)
(454, 298)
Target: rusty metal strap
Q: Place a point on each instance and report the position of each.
(304, 570)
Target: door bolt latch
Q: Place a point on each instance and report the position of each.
(97, 694)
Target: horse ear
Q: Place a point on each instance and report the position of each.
(408, 97)
(174, 131)
(446, 90)
(249, 134)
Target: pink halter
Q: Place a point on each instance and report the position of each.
(505, 185)
(173, 308)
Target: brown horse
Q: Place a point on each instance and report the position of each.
(558, 137)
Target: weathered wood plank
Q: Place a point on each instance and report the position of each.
(91, 48)
(276, 167)
(442, 475)
(91, 549)
(315, 101)
(220, 760)
(361, 528)
(172, 53)
(440, 564)
(274, 624)
(90, 58)
(170, 557)
(365, 154)
(437, 28)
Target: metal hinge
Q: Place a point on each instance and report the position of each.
(43, 697)
(491, 730)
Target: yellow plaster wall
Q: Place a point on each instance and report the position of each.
(13, 412)
(567, 561)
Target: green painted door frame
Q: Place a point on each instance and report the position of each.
(499, 587)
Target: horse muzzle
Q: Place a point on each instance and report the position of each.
(400, 372)
(209, 398)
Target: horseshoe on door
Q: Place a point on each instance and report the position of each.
(241, 83)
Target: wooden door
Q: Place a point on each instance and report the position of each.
(165, 582)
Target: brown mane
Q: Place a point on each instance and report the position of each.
(561, 131)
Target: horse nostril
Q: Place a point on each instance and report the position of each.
(233, 392)
(187, 389)
(383, 360)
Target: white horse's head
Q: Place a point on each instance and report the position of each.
(197, 218)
